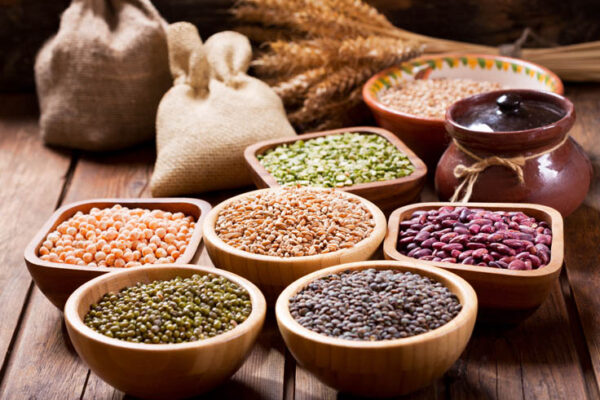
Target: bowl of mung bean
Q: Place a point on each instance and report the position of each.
(167, 331)
(377, 328)
(370, 162)
(411, 99)
(85, 239)
(274, 236)
(512, 254)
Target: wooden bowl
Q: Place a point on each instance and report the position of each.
(58, 280)
(161, 371)
(387, 195)
(508, 291)
(271, 273)
(427, 136)
(381, 368)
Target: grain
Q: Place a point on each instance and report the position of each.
(374, 304)
(294, 222)
(171, 311)
(336, 161)
(119, 237)
(431, 97)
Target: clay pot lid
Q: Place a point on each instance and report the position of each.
(515, 115)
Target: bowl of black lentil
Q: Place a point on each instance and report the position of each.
(165, 332)
(367, 161)
(274, 236)
(377, 328)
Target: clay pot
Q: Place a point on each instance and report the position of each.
(559, 179)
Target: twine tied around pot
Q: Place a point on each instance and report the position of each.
(467, 175)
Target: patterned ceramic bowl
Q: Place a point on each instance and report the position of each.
(427, 136)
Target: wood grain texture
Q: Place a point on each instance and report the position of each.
(31, 178)
(386, 195)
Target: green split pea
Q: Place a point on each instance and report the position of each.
(336, 161)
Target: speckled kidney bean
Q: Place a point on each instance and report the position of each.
(497, 239)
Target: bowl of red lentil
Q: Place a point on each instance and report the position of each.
(377, 328)
(411, 99)
(274, 236)
(85, 239)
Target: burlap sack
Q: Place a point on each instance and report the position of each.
(211, 114)
(100, 79)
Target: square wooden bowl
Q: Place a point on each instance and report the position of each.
(58, 280)
(507, 291)
(387, 195)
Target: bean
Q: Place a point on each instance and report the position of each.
(422, 252)
(475, 245)
(452, 246)
(446, 237)
(429, 242)
(517, 265)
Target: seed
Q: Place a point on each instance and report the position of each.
(431, 97)
(294, 221)
(477, 237)
(339, 160)
(173, 311)
(373, 305)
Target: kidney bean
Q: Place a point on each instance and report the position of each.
(422, 252)
(455, 253)
(487, 258)
(500, 225)
(502, 248)
(413, 251)
(450, 260)
(460, 239)
(407, 240)
(513, 225)
(507, 259)
(525, 236)
(428, 228)
(452, 246)
(487, 229)
(449, 223)
(517, 265)
(465, 254)
(524, 254)
(475, 245)
(480, 237)
(496, 255)
(460, 230)
(436, 259)
(502, 264)
(479, 253)
(514, 243)
(406, 224)
(438, 245)
(493, 264)
(411, 246)
(535, 261)
(482, 221)
(469, 261)
(543, 239)
(446, 237)
(440, 254)
(417, 227)
(421, 236)
(426, 258)
(496, 237)
(474, 229)
(428, 242)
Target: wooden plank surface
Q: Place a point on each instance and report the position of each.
(31, 180)
(554, 354)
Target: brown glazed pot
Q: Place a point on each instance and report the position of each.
(559, 179)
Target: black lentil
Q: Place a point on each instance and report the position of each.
(173, 311)
(374, 304)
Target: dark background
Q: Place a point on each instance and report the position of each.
(26, 24)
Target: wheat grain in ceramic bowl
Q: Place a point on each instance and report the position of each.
(273, 273)
(426, 136)
(381, 368)
(161, 371)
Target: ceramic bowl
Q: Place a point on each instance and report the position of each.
(161, 371)
(387, 195)
(507, 293)
(427, 136)
(380, 368)
(271, 273)
(58, 280)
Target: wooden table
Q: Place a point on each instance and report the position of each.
(555, 353)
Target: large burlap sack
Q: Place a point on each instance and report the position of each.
(211, 114)
(100, 79)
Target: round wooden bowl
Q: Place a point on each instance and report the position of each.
(271, 273)
(380, 368)
(161, 371)
(58, 280)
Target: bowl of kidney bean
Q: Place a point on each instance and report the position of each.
(510, 253)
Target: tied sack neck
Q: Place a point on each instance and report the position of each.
(225, 57)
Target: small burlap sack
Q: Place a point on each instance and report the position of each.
(211, 114)
(100, 79)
